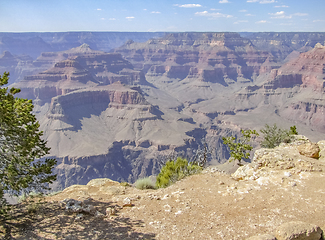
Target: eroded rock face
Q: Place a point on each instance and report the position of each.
(109, 95)
(295, 91)
(210, 57)
(98, 128)
(83, 68)
(282, 44)
(306, 70)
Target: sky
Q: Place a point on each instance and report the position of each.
(162, 15)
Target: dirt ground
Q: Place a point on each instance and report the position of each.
(210, 205)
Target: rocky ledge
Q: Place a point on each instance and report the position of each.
(279, 195)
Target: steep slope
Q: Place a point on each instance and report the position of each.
(98, 123)
(114, 116)
(198, 59)
(294, 92)
(281, 44)
(17, 66)
(81, 67)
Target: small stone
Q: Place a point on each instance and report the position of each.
(79, 217)
(167, 208)
(89, 209)
(127, 201)
(165, 197)
(178, 212)
(110, 211)
(99, 214)
(287, 174)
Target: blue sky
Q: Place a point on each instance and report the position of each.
(162, 15)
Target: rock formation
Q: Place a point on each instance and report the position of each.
(295, 90)
(283, 44)
(80, 68)
(118, 115)
(211, 57)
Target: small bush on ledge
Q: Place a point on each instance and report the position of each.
(273, 135)
(176, 170)
(144, 183)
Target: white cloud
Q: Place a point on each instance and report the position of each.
(282, 6)
(262, 21)
(214, 9)
(280, 14)
(144, 9)
(214, 15)
(240, 21)
(188, 5)
(300, 14)
(102, 19)
(99, 9)
(223, 1)
(243, 10)
(249, 15)
(286, 24)
(112, 19)
(261, 1)
(155, 12)
(129, 18)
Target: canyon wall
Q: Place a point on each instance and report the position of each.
(122, 114)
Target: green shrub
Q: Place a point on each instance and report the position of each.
(144, 183)
(173, 171)
(273, 135)
(239, 148)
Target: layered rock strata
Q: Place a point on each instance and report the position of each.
(211, 57)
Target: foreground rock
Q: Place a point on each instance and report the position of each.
(299, 231)
(298, 156)
(265, 204)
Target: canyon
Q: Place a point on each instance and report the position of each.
(111, 107)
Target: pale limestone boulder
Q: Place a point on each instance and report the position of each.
(321, 145)
(284, 157)
(104, 186)
(245, 172)
(309, 150)
(298, 231)
(263, 237)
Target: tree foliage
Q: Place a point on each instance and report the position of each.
(273, 136)
(174, 171)
(22, 167)
(239, 148)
